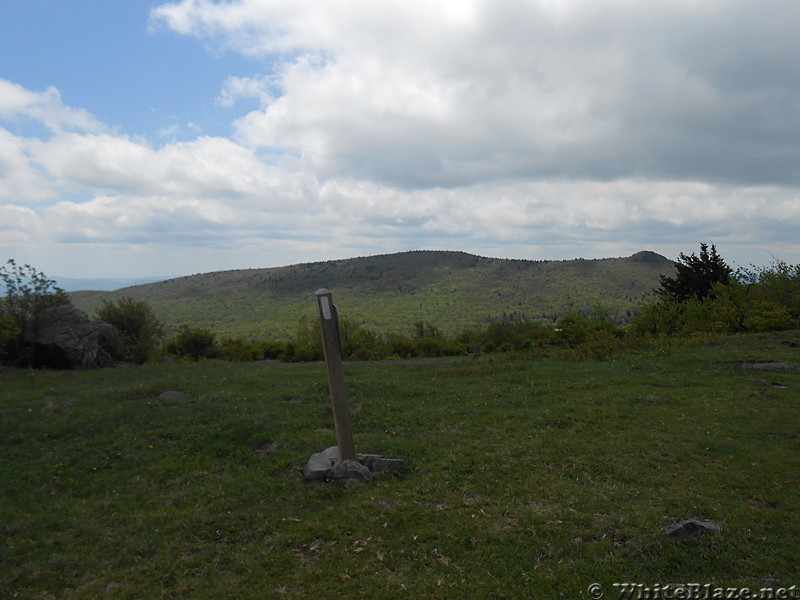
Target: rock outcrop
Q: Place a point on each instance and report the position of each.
(63, 337)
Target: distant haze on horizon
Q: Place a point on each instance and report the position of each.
(148, 138)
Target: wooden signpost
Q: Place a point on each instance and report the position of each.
(332, 346)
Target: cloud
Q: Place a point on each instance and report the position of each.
(420, 94)
(87, 188)
(539, 129)
(46, 108)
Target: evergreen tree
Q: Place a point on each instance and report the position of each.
(696, 276)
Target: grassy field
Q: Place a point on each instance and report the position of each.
(526, 478)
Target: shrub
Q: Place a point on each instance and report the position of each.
(192, 342)
(239, 350)
(26, 294)
(360, 342)
(271, 350)
(9, 334)
(138, 325)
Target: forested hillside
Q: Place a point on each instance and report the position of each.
(452, 290)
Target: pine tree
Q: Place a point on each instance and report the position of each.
(696, 276)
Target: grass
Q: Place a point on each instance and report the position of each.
(526, 478)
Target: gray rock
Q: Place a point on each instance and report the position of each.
(351, 469)
(764, 382)
(63, 337)
(689, 527)
(325, 464)
(770, 366)
(318, 467)
(331, 452)
(376, 463)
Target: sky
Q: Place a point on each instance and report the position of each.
(144, 138)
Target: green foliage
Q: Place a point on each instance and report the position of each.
(593, 335)
(238, 350)
(696, 276)
(307, 341)
(9, 334)
(193, 342)
(138, 325)
(26, 294)
(360, 342)
(757, 300)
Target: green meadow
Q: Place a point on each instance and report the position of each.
(525, 477)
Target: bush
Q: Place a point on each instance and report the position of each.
(138, 325)
(9, 334)
(192, 342)
(758, 299)
(26, 294)
(361, 343)
(239, 350)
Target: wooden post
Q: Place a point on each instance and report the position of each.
(331, 344)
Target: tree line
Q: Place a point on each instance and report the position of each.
(705, 295)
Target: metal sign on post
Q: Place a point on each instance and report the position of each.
(332, 346)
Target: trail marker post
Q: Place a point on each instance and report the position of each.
(332, 347)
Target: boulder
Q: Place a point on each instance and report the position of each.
(63, 337)
(691, 527)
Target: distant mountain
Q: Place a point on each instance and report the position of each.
(71, 284)
(452, 290)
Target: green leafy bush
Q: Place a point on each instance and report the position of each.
(26, 294)
(193, 342)
(138, 325)
(9, 333)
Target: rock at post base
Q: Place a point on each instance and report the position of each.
(376, 463)
(351, 469)
(319, 465)
(325, 464)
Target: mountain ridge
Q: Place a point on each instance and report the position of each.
(451, 289)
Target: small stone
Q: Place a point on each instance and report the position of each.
(376, 463)
(351, 469)
(171, 395)
(318, 467)
(689, 527)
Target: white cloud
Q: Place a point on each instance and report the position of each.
(418, 94)
(20, 181)
(546, 129)
(44, 107)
